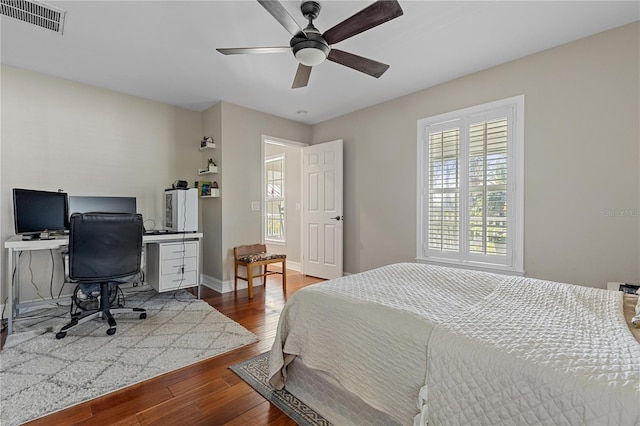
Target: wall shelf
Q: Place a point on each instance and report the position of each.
(215, 193)
(208, 146)
(208, 189)
(210, 170)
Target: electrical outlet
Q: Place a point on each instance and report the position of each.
(255, 206)
(298, 206)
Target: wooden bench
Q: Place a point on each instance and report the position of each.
(254, 255)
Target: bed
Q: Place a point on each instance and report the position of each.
(420, 344)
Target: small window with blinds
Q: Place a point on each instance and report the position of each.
(470, 187)
(275, 199)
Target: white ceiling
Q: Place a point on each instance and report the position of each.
(165, 50)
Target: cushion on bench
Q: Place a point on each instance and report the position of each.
(259, 257)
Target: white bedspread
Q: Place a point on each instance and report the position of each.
(471, 340)
(370, 330)
(536, 352)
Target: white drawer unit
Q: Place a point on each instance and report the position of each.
(171, 266)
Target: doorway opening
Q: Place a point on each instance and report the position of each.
(281, 190)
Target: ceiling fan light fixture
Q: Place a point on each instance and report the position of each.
(311, 51)
(310, 56)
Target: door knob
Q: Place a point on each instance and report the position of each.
(338, 218)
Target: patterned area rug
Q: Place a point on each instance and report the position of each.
(255, 372)
(40, 374)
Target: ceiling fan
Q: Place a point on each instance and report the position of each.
(311, 48)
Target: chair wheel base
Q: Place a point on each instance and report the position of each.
(60, 335)
(111, 331)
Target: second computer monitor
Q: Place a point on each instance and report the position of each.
(82, 204)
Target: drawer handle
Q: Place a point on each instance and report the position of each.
(179, 251)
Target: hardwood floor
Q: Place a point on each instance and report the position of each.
(206, 393)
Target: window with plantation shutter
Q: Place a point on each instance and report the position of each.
(470, 187)
(488, 187)
(444, 190)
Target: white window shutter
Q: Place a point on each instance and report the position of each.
(470, 212)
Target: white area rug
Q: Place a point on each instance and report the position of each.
(40, 374)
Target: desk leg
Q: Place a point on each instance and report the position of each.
(145, 260)
(9, 307)
(198, 289)
(199, 265)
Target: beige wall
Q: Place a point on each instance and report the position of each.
(241, 138)
(211, 208)
(582, 161)
(88, 141)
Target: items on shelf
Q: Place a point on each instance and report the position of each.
(211, 168)
(207, 142)
(629, 288)
(204, 187)
(208, 189)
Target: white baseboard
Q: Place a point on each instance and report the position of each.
(224, 286)
(227, 286)
(210, 282)
(295, 266)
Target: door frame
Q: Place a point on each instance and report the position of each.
(266, 139)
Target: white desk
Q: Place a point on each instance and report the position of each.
(16, 244)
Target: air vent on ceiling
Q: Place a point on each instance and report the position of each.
(35, 13)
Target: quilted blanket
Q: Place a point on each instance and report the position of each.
(470, 347)
(535, 352)
(370, 330)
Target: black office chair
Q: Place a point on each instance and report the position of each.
(105, 250)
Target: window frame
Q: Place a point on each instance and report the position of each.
(514, 260)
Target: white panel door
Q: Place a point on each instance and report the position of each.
(322, 210)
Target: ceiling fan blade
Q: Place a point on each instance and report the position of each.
(369, 17)
(358, 63)
(253, 50)
(302, 76)
(277, 10)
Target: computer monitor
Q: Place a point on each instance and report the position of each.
(82, 204)
(37, 211)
